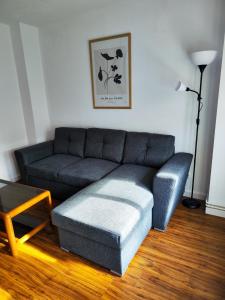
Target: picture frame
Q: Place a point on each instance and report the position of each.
(110, 67)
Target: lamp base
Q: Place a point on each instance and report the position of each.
(191, 203)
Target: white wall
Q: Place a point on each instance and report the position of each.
(24, 117)
(23, 81)
(216, 200)
(163, 33)
(36, 82)
(12, 126)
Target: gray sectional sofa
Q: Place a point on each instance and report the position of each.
(117, 185)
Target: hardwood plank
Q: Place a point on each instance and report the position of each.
(186, 262)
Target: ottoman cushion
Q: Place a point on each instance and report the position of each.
(107, 221)
(109, 210)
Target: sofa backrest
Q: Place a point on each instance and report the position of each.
(69, 141)
(139, 148)
(148, 149)
(105, 143)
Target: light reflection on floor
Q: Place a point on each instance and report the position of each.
(36, 253)
(4, 295)
(30, 250)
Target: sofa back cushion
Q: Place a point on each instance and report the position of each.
(148, 149)
(105, 143)
(69, 141)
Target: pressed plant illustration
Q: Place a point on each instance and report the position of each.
(110, 65)
(110, 73)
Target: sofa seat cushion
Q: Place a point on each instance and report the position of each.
(109, 210)
(131, 176)
(86, 171)
(49, 167)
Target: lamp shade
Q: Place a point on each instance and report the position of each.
(181, 87)
(203, 57)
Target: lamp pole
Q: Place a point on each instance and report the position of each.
(193, 203)
(200, 59)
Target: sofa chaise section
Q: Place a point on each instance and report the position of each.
(107, 221)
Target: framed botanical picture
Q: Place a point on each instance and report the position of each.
(110, 60)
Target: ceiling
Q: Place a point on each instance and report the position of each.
(39, 12)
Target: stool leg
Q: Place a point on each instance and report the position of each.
(49, 205)
(11, 235)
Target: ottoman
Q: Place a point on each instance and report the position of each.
(105, 222)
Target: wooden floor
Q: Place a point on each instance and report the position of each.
(186, 262)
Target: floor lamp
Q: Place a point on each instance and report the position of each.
(200, 59)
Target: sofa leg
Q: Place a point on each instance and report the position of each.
(114, 272)
(158, 229)
(64, 249)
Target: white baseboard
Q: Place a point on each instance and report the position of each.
(15, 178)
(215, 210)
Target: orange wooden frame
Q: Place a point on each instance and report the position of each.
(8, 216)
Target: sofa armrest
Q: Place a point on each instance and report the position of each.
(168, 188)
(30, 154)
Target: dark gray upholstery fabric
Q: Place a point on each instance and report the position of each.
(69, 141)
(105, 144)
(138, 175)
(115, 259)
(59, 190)
(49, 167)
(30, 154)
(168, 187)
(86, 171)
(144, 150)
(107, 221)
(148, 149)
(108, 210)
